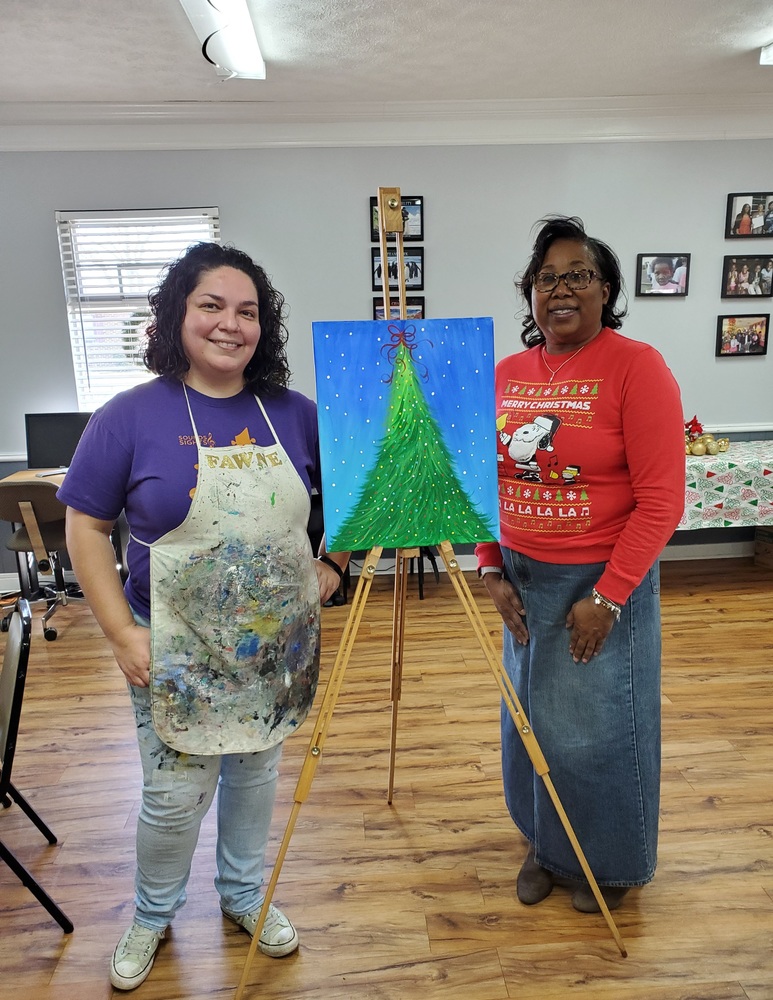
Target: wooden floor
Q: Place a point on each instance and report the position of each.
(417, 899)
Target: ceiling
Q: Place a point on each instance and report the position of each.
(397, 61)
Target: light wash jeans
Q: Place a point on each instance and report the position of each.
(177, 792)
(598, 725)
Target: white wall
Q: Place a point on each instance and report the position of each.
(303, 213)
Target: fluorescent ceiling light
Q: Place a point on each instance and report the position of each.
(227, 36)
(766, 55)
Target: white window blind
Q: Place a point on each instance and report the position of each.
(110, 261)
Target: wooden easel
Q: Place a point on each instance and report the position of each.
(390, 216)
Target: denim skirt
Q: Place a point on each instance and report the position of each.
(598, 725)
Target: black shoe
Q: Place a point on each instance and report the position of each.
(584, 900)
(534, 882)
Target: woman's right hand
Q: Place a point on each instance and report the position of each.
(131, 648)
(93, 559)
(508, 603)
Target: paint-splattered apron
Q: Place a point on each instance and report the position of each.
(235, 606)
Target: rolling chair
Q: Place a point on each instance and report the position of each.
(425, 552)
(32, 506)
(12, 678)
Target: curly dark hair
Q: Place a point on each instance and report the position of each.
(268, 372)
(565, 227)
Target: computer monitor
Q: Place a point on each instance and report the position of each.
(52, 438)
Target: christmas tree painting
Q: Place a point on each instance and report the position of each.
(410, 458)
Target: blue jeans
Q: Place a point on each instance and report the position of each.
(598, 725)
(177, 792)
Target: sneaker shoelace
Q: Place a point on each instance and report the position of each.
(138, 944)
(274, 926)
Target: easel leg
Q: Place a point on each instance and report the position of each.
(402, 559)
(525, 731)
(314, 752)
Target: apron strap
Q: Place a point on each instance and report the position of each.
(265, 417)
(198, 441)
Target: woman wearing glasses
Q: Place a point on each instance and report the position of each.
(575, 577)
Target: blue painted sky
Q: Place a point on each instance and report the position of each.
(351, 361)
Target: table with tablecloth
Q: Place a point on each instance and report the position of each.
(733, 489)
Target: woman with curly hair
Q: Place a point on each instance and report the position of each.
(213, 463)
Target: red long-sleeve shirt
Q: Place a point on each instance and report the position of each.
(591, 465)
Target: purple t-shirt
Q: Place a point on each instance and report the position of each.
(138, 454)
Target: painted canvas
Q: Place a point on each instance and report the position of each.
(407, 432)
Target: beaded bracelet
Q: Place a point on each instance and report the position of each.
(333, 565)
(605, 602)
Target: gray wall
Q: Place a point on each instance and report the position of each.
(304, 214)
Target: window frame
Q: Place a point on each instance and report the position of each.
(110, 250)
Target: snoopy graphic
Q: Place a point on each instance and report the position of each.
(526, 441)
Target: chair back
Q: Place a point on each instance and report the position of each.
(12, 679)
(38, 492)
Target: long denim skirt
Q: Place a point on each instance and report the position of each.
(598, 725)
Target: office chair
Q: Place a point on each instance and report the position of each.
(12, 678)
(425, 552)
(32, 506)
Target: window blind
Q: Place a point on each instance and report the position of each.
(110, 261)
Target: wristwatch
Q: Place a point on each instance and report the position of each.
(491, 569)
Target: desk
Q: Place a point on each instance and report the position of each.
(733, 489)
(25, 561)
(25, 475)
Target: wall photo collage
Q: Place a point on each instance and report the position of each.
(747, 275)
(413, 261)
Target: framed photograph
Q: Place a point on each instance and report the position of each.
(413, 265)
(413, 220)
(742, 276)
(662, 273)
(749, 215)
(742, 336)
(414, 303)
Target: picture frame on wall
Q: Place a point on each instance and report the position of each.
(414, 303)
(413, 219)
(742, 336)
(743, 276)
(662, 274)
(749, 216)
(413, 265)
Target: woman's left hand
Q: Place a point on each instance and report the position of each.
(590, 623)
(328, 580)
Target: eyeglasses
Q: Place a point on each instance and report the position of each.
(546, 281)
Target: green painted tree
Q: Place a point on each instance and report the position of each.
(411, 496)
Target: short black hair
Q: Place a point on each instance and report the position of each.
(565, 227)
(268, 372)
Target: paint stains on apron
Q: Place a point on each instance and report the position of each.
(235, 606)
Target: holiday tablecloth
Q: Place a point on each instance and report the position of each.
(731, 490)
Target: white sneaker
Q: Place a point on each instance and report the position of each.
(134, 956)
(278, 937)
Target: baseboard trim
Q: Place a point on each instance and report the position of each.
(9, 582)
(714, 550)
